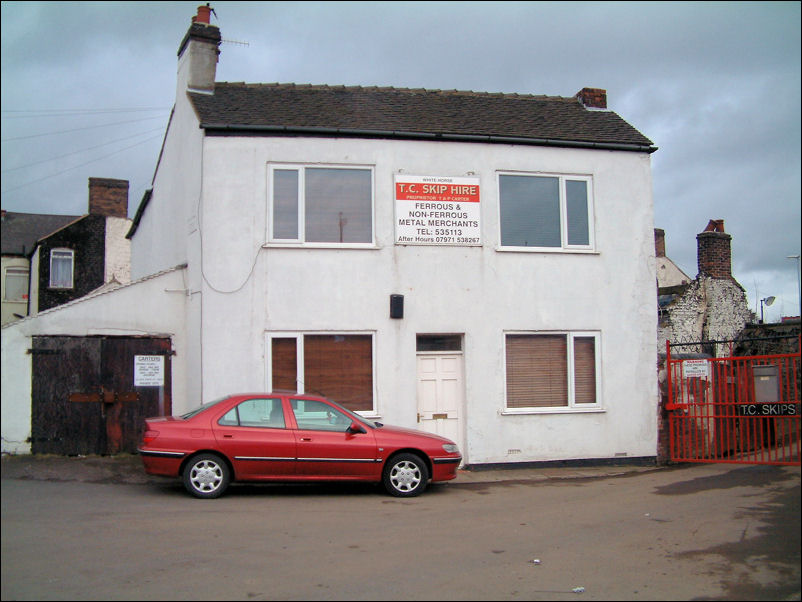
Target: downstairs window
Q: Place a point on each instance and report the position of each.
(336, 366)
(551, 371)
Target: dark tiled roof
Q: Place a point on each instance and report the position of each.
(21, 231)
(412, 113)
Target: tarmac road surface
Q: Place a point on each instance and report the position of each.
(712, 532)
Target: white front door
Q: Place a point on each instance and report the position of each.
(441, 393)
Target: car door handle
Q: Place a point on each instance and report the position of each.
(228, 436)
(306, 438)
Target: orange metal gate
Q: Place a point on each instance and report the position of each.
(734, 409)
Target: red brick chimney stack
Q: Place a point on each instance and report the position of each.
(592, 98)
(108, 197)
(714, 254)
(204, 15)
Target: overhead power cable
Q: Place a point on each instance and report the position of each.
(82, 150)
(77, 166)
(34, 113)
(91, 127)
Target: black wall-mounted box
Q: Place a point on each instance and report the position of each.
(397, 306)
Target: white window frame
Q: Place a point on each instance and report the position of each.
(299, 355)
(564, 245)
(300, 241)
(65, 253)
(572, 407)
(16, 272)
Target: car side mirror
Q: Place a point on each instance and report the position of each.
(355, 428)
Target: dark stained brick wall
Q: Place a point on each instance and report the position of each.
(86, 238)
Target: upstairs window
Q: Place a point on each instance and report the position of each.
(546, 212)
(321, 205)
(61, 268)
(15, 287)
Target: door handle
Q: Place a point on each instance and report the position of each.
(228, 436)
(306, 438)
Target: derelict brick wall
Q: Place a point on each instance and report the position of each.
(709, 309)
(87, 238)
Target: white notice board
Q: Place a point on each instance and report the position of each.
(696, 369)
(148, 370)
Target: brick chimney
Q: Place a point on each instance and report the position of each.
(714, 255)
(197, 54)
(108, 197)
(592, 98)
(659, 242)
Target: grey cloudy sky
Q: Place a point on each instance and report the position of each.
(87, 89)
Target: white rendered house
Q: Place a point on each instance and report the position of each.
(479, 265)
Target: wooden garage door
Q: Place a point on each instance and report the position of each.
(83, 398)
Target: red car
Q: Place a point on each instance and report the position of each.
(283, 437)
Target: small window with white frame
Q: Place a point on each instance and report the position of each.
(62, 268)
(545, 212)
(552, 371)
(320, 205)
(15, 285)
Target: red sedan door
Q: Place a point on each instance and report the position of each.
(254, 435)
(326, 449)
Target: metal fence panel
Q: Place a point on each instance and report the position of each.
(742, 410)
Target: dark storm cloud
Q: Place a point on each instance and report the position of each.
(716, 86)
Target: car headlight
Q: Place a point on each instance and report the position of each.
(451, 448)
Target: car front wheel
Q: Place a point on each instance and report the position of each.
(206, 476)
(405, 475)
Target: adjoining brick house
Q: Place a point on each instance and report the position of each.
(20, 234)
(713, 306)
(669, 274)
(88, 253)
(709, 317)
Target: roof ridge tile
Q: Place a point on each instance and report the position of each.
(356, 87)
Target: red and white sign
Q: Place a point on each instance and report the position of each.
(696, 369)
(437, 210)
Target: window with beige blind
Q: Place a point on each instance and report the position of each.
(551, 371)
(336, 366)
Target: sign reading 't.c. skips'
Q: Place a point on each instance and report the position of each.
(437, 210)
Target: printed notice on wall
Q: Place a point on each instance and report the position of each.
(437, 210)
(148, 370)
